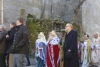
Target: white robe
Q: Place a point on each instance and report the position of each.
(85, 60)
(98, 54)
(82, 52)
(95, 57)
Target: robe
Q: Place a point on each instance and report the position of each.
(40, 52)
(82, 52)
(52, 54)
(95, 51)
(87, 53)
(98, 54)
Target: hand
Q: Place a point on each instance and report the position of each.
(7, 36)
(69, 50)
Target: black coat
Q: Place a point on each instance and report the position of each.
(3, 42)
(20, 42)
(9, 40)
(71, 58)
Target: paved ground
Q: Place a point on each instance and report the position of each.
(32, 66)
(33, 63)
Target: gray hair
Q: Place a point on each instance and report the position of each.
(3, 27)
(70, 24)
(96, 33)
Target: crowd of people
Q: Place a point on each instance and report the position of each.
(55, 52)
(89, 51)
(67, 51)
(14, 45)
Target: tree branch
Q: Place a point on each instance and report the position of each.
(76, 10)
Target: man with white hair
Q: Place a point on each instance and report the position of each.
(95, 50)
(70, 47)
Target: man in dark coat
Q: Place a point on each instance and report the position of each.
(20, 45)
(9, 42)
(10, 36)
(3, 34)
(70, 47)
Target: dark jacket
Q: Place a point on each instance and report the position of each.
(3, 42)
(9, 40)
(20, 42)
(71, 58)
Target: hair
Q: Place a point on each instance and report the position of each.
(13, 23)
(53, 32)
(3, 27)
(96, 33)
(70, 24)
(41, 36)
(87, 35)
(20, 19)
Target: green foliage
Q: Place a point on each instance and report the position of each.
(35, 26)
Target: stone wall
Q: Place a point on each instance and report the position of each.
(91, 16)
(48, 9)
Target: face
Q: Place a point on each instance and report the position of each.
(95, 35)
(67, 28)
(85, 37)
(18, 23)
(11, 26)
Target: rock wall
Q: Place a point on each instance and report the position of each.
(48, 9)
(91, 16)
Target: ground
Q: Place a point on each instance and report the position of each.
(33, 62)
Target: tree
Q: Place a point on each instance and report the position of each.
(76, 10)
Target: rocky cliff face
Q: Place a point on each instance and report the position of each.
(91, 16)
(48, 9)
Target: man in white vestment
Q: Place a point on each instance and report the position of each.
(95, 50)
(87, 52)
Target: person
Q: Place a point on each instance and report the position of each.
(3, 34)
(41, 50)
(28, 60)
(87, 52)
(9, 42)
(61, 52)
(82, 51)
(70, 47)
(98, 53)
(79, 51)
(94, 46)
(20, 46)
(52, 54)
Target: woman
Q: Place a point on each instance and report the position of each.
(41, 50)
(52, 50)
(3, 34)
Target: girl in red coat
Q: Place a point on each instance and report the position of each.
(52, 50)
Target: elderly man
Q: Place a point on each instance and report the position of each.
(95, 50)
(70, 47)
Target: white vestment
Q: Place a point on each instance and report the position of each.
(95, 57)
(85, 60)
(82, 52)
